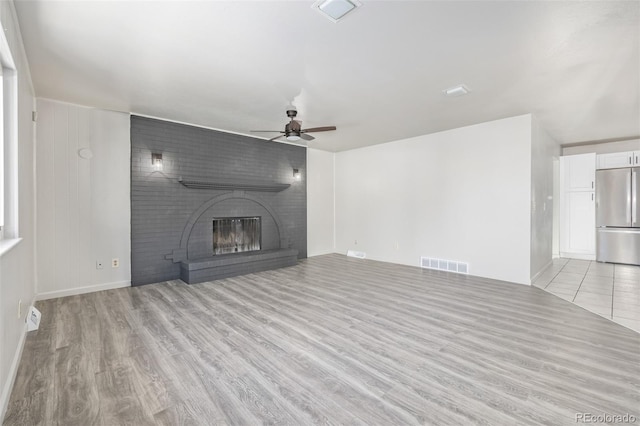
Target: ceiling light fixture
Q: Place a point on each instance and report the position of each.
(335, 10)
(293, 136)
(458, 90)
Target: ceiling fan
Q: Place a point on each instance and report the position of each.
(293, 130)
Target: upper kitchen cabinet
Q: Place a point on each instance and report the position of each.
(578, 172)
(618, 159)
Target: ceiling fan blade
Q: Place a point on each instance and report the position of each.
(319, 129)
(270, 131)
(277, 137)
(306, 137)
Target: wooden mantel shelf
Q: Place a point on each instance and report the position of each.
(235, 186)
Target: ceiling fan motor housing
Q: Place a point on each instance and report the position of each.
(292, 128)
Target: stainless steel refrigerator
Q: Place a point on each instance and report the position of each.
(618, 215)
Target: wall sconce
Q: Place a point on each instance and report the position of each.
(296, 174)
(156, 161)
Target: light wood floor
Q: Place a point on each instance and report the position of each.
(334, 340)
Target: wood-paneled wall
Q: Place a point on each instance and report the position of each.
(83, 204)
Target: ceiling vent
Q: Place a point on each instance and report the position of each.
(458, 90)
(335, 10)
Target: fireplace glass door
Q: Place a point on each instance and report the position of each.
(236, 234)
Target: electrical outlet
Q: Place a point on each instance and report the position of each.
(19, 308)
(115, 262)
(99, 264)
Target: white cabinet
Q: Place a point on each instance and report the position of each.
(618, 159)
(580, 236)
(579, 172)
(577, 206)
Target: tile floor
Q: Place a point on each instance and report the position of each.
(609, 290)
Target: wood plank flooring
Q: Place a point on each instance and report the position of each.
(333, 340)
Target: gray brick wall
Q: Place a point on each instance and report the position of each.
(161, 207)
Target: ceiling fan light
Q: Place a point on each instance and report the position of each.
(293, 137)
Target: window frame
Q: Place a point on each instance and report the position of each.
(9, 235)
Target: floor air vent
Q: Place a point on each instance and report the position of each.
(444, 265)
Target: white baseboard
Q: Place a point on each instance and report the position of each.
(319, 253)
(544, 268)
(82, 290)
(13, 371)
(578, 256)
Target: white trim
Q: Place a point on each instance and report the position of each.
(544, 268)
(7, 244)
(73, 104)
(20, 42)
(321, 253)
(12, 373)
(82, 290)
(578, 256)
(248, 135)
(153, 117)
(9, 131)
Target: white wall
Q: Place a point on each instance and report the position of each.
(544, 151)
(320, 202)
(17, 276)
(83, 210)
(462, 194)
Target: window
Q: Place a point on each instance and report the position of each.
(8, 143)
(2, 168)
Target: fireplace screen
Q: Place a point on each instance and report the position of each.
(236, 234)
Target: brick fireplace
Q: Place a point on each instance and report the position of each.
(205, 176)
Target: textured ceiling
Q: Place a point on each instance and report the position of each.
(377, 75)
